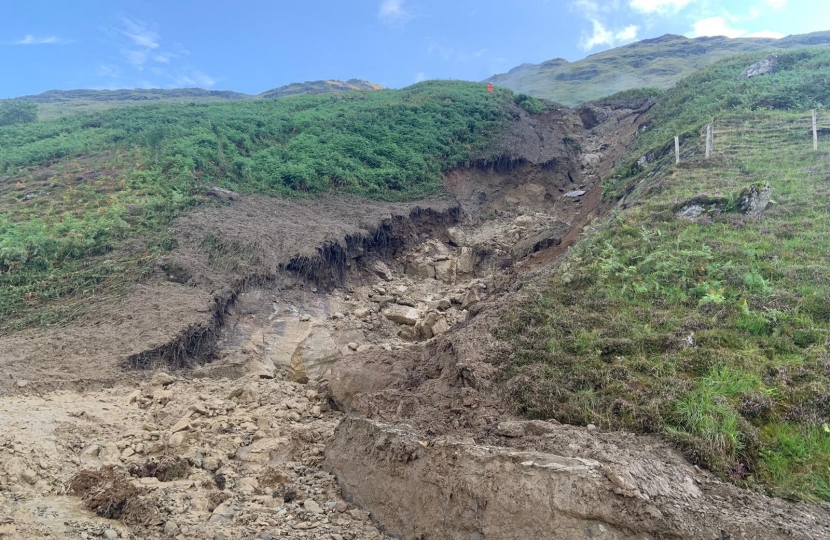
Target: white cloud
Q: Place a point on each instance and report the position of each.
(601, 34)
(146, 63)
(436, 47)
(32, 40)
(420, 76)
(393, 12)
(136, 58)
(766, 34)
(108, 71)
(448, 52)
(629, 33)
(194, 78)
(777, 4)
(718, 26)
(138, 32)
(659, 6)
(715, 26)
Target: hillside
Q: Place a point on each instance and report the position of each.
(56, 103)
(712, 330)
(651, 63)
(422, 313)
(73, 189)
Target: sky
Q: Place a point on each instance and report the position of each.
(255, 45)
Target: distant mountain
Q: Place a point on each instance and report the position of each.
(139, 95)
(59, 102)
(320, 87)
(656, 63)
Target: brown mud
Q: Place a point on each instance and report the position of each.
(334, 375)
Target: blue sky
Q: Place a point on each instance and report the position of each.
(254, 45)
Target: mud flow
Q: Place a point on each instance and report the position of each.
(327, 369)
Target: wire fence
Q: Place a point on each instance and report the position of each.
(737, 136)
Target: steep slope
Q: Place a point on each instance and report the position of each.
(651, 63)
(712, 327)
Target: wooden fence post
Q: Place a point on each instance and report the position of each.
(709, 133)
(677, 150)
(815, 132)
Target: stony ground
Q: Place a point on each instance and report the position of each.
(233, 450)
(173, 458)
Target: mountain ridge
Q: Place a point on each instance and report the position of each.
(58, 102)
(655, 62)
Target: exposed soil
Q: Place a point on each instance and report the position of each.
(276, 318)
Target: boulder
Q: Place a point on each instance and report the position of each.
(535, 192)
(439, 326)
(402, 315)
(544, 239)
(162, 379)
(753, 200)
(590, 161)
(441, 305)
(525, 222)
(465, 264)
(691, 212)
(222, 194)
(314, 356)
(456, 236)
(425, 270)
(263, 369)
(445, 271)
(380, 269)
(470, 298)
(767, 66)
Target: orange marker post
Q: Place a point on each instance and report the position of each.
(490, 88)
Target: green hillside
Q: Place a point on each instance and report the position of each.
(56, 103)
(651, 63)
(713, 332)
(73, 189)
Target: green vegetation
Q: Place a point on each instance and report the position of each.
(17, 112)
(712, 332)
(656, 63)
(800, 84)
(72, 189)
(530, 104)
(56, 103)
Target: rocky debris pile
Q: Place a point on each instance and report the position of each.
(176, 459)
(387, 304)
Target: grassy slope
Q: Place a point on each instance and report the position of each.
(655, 63)
(93, 181)
(56, 103)
(604, 340)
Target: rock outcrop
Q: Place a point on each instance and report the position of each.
(766, 66)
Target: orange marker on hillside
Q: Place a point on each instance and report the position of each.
(490, 87)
